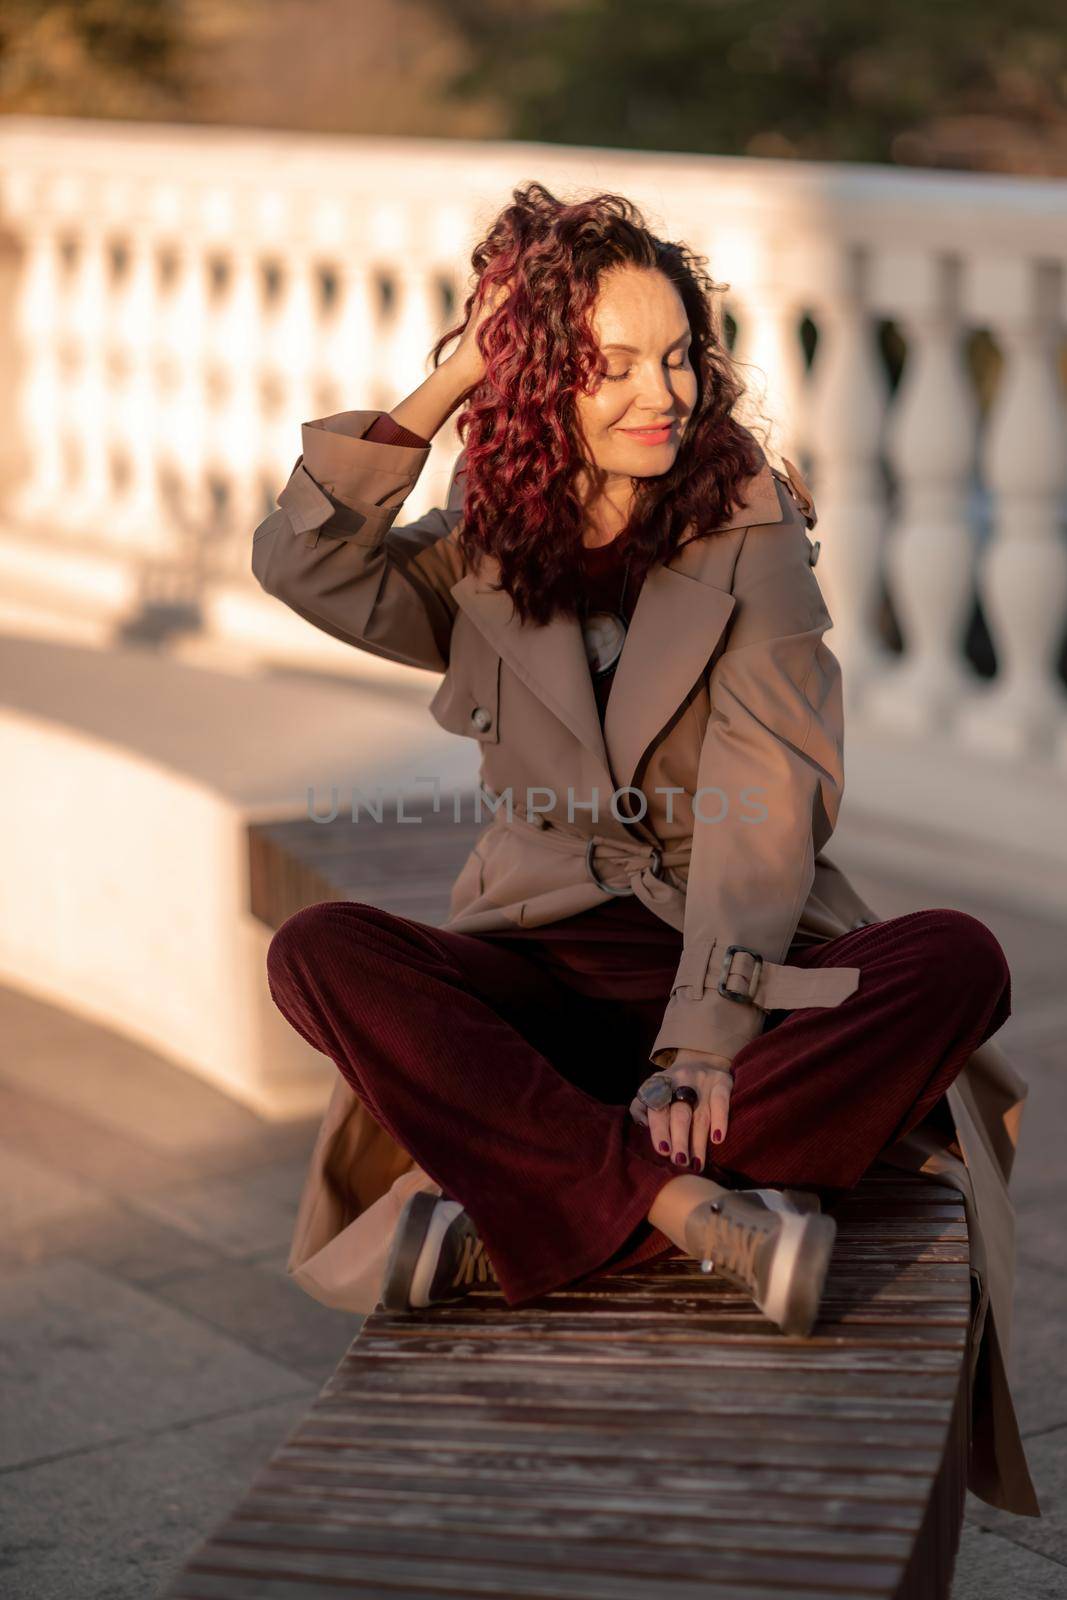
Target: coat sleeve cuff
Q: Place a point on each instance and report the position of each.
(698, 1017)
(711, 1024)
(355, 484)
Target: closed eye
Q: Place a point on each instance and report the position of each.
(617, 377)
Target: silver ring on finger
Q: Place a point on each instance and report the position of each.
(655, 1092)
(687, 1094)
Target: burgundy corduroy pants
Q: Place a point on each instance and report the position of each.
(512, 1091)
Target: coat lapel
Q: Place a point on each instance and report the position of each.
(677, 603)
(550, 659)
(650, 681)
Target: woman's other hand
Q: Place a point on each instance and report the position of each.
(680, 1133)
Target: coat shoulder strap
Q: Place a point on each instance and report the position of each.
(798, 488)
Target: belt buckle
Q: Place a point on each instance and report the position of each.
(732, 994)
(589, 867)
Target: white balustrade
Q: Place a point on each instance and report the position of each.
(265, 280)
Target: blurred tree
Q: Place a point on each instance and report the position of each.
(327, 66)
(922, 82)
(108, 58)
(949, 83)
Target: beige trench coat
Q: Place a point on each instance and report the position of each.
(722, 746)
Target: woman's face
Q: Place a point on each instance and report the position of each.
(642, 388)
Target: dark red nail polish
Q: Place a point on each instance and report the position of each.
(696, 1164)
(665, 1147)
(681, 1159)
(717, 1136)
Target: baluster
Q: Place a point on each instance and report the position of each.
(349, 357)
(185, 419)
(768, 337)
(295, 340)
(233, 449)
(1022, 576)
(417, 325)
(138, 518)
(38, 325)
(90, 502)
(848, 404)
(929, 559)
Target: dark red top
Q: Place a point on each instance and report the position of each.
(578, 949)
(383, 430)
(605, 574)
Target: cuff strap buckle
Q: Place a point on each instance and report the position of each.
(745, 996)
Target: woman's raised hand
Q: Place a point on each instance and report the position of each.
(683, 1131)
(467, 355)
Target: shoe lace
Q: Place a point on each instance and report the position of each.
(736, 1244)
(474, 1265)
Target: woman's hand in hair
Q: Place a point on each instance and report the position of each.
(467, 357)
(687, 1131)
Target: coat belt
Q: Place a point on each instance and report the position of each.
(605, 858)
(744, 975)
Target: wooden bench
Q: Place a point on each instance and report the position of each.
(635, 1436)
(406, 868)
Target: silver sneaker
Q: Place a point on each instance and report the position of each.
(774, 1243)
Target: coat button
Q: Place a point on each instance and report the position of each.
(481, 718)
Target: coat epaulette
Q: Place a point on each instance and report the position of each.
(793, 479)
(794, 482)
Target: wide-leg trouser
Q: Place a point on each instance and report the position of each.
(511, 1091)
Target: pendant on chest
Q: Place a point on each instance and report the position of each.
(604, 633)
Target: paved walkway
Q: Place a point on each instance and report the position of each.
(155, 1351)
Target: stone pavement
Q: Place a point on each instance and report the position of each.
(155, 1351)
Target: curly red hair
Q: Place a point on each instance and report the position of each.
(518, 424)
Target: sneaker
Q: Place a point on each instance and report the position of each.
(779, 1253)
(435, 1256)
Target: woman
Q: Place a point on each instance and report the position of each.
(654, 889)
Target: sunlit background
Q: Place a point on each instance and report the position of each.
(218, 221)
